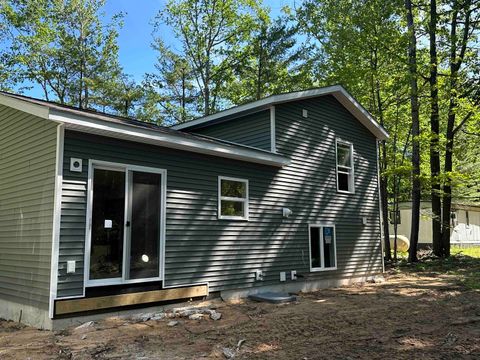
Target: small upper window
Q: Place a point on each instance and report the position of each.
(345, 181)
(232, 198)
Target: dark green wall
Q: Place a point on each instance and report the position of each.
(252, 130)
(199, 247)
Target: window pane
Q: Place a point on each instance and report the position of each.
(106, 256)
(343, 155)
(328, 247)
(315, 246)
(235, 189)
(145, 227)
(343, 182)
(232, 208)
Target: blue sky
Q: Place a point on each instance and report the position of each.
(136, 55)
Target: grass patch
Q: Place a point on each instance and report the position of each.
(463, 264)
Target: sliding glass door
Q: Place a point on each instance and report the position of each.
(126, 225)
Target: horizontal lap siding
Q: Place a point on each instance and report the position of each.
(252, 130)
(310, 144)
(200, 248)
(27, 185)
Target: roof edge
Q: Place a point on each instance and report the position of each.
(86, 124)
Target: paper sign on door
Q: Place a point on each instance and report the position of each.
(327, 235)
(108, 224)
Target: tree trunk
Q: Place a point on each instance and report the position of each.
(383, 177)
(416, 186)
(434, 136)
(456, 60)
(384, 203)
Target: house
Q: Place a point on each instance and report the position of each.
(99, 212)
(464, 221)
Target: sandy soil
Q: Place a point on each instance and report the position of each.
(365, 321)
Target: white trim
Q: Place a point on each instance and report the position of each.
(322, 260)
(337, 91)
(24, 106)
(101, 127)
(382, 235)
(351, 170)
(273, 145)
(127, 168)
(95, 123)
(245, 200)
(56, 219)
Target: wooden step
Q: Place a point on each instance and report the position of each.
(71, 306)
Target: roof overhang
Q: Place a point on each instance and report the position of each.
(347, 100)
(97, 124)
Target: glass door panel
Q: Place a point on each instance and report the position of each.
(144, 236)
(108, 214)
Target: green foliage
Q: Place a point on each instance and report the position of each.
(62, 46)
(210, 32)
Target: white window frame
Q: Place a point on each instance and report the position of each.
(351, 173)
(126, 168)
(322, 260)
(228, 198)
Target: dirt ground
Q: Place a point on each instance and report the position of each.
(411, 315)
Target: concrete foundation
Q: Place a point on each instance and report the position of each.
(293, 287)
(28, 315)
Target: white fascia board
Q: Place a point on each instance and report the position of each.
(338, 91)
(122, 131)
(25, 106)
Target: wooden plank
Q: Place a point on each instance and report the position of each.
(105, 302)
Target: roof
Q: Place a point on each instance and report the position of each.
(347, 100)
(134, 130)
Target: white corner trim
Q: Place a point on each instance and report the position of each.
(56, 219)
(273, 145)
(123, 131)
(337, 91)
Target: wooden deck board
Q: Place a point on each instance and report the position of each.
(71, 306)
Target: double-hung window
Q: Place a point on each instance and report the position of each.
(232, 198)
(345, 173)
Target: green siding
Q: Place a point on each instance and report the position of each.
(199, 247)
(27, 185)
(252, 130)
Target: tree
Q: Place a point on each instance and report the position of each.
(208, 30)
(62, 46)
(435, 134)
(271, 62)
(464, 22)
(173, 81)
(416, 186)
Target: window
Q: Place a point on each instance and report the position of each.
(323, 255)
(232, 198)
(345, 182)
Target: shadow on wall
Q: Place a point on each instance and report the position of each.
(307, 186)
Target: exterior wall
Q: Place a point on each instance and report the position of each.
(462, 233)
(27, 185)
(226, 253)
(252, 130)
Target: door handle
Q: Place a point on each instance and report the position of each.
(127, 224)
